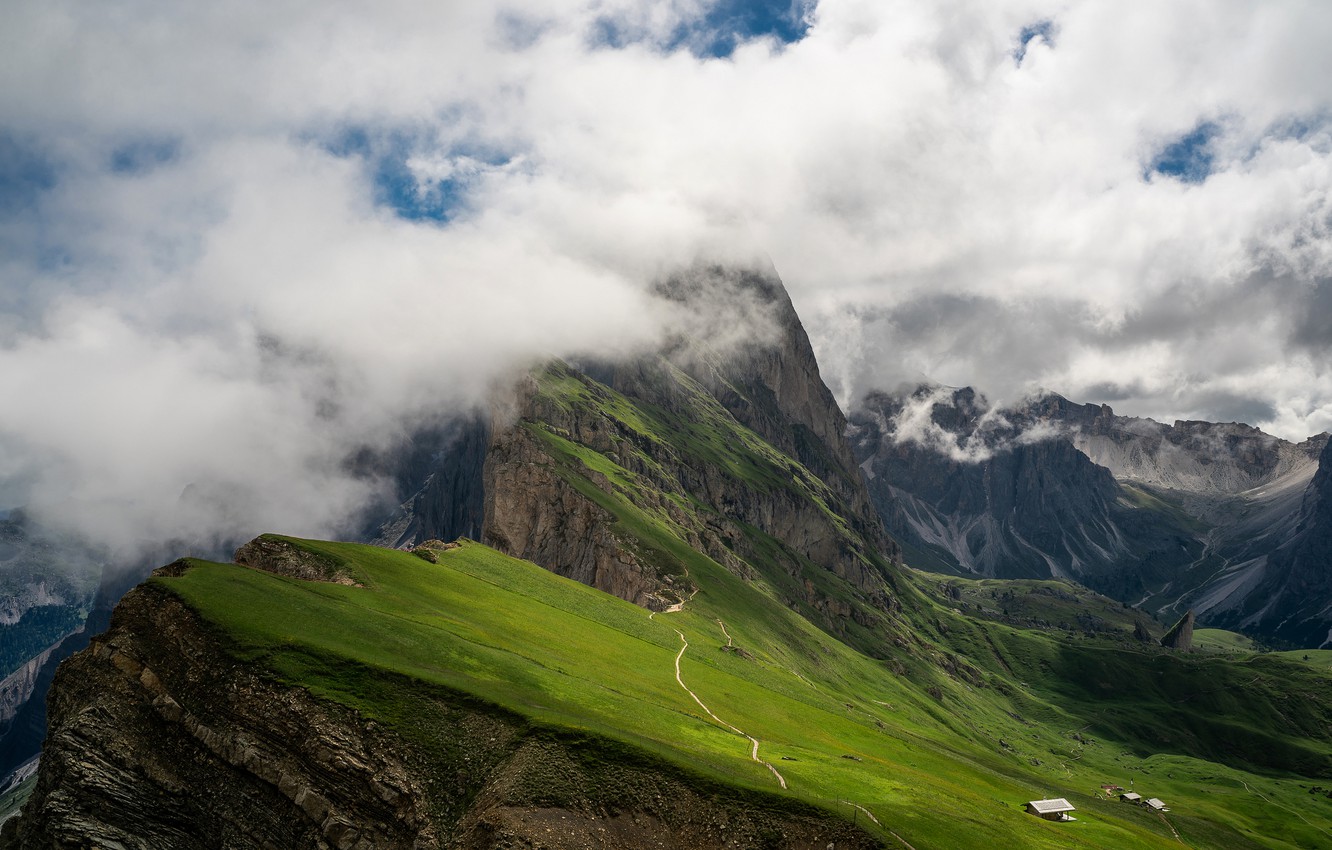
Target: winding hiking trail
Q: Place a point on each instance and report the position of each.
(1172, 828)
(753, 752)
(754, 742)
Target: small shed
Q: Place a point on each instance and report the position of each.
(1130, 797)
(1056, 809)
(1154, 803)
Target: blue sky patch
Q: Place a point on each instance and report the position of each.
(1044, 30)
(722, 27)
(386, 157)
(1189, 158)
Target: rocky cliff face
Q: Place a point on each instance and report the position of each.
(437, 477)
(1030, 511)
(533, 512)
(161, 737)
(1170, 517)
(771, 383)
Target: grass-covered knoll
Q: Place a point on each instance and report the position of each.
(1220, 640)
(1044, 604)
(945, 771)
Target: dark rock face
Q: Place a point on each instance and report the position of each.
(438, 480)
(989, 497)
(1027, 512)
(1291, 601)
(161, 738)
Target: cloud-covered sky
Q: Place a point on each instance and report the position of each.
(238, 239)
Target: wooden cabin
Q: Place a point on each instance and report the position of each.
(1130, 797)
(1056, 809)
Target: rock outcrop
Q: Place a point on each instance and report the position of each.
(1180, 635)
(272, 554)
(160, 737)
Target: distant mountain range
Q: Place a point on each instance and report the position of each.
(1219, 518)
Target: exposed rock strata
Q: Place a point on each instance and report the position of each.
(534, 513)
(272, 554)
(160, 738)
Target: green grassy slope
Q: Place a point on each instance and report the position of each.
(1220, 640)
(931, 708)
(931, 770)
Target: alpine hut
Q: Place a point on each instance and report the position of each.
(1056, 809)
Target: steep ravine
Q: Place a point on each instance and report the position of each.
(161, 737)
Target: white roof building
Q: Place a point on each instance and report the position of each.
(1056, 809)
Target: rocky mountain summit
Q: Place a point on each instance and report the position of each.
(1191, 515)
(664, 418)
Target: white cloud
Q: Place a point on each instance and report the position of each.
(934, 206)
